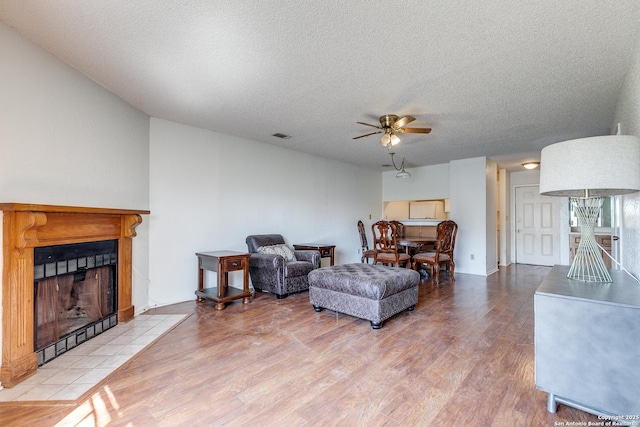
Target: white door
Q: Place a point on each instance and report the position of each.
(537, 227)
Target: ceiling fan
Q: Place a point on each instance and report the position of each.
(391, 125)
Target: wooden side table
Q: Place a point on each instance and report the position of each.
(326, 251)
(223, 262)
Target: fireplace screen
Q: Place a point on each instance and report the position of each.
(75, 295)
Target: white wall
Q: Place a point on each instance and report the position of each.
(473, 208)
(471, 186)
(491, 181)
(628, 115)
(64, 140)
(426, 182)
(210, 190)
(504, 203)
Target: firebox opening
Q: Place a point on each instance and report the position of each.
(75, 293)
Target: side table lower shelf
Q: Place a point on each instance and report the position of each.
(232, 294)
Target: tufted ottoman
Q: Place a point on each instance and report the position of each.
(371, 292)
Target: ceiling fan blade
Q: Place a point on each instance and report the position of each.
(372, 133)
(367, 124)
(414, 130)
(403, 121)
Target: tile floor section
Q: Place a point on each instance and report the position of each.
(69, 376)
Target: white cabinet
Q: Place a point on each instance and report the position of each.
(587, 343)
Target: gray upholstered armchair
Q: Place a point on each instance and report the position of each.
(275, 267)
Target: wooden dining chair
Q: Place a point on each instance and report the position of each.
(399, 232)
(443, 254)
(366, 252)
(399, 229)
(385, 247)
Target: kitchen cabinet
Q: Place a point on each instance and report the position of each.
(603, 240)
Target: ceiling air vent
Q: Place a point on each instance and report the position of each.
(281, 135)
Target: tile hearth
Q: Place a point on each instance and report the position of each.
(74, 373)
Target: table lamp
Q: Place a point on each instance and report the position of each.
(586, 170)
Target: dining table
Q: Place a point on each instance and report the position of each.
(413, 244)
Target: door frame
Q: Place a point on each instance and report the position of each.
(616, 231)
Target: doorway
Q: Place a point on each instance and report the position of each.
(537, 226)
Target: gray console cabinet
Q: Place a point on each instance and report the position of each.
(587, 343)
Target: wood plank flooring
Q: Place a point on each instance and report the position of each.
(463, 357)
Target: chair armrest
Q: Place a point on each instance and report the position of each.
(268, 261)
(308, 255)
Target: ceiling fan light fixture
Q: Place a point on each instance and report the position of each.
(390, 126)
(386, 139)
(389, 139)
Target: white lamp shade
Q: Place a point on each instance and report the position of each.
(604, 165)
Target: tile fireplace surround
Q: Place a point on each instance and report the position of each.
(26, 226)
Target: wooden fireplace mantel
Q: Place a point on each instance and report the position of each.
(27, 226)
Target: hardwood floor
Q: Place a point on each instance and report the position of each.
(463, 357)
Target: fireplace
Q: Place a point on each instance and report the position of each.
(74, 295)
(27, 227)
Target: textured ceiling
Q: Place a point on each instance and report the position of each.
(500, 79)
